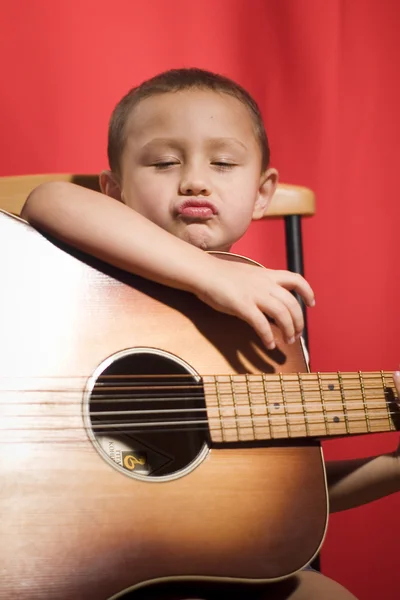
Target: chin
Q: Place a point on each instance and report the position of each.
(200, 239)
(209, 245)
(204, 239)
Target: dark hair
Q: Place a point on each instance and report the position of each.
(176, 80)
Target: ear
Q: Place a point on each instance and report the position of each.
(110, 185)
(268, 182)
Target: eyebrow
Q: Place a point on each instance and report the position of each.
(178, 143)
(226, 140)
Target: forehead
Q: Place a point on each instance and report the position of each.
(190, 114)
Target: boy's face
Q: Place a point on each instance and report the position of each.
(192, 165)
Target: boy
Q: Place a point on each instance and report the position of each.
(189, 163)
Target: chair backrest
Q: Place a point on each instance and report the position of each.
(288, 199)
(289, 202)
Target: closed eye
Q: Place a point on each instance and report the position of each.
(164, 165)
(224, 166)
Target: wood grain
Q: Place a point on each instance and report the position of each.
(72, 527)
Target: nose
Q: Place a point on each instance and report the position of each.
(193, 183)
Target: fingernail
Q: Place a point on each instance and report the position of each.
(397, 374)
(291, 340)
(312, 303)
(271, 346)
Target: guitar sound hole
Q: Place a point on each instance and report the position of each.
(147, 414)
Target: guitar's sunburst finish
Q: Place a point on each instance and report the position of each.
(72, 526)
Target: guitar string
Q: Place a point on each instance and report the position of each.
(196, 385)
(205, 381)
(306, 379)
(219, 411)
(119, 380)
(305, 376)
(99, 398)
(225, 436)
(275, 420)
(255, 399)
(356, 405)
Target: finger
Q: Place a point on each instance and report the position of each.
(396, 379)
(259, 322)
(296, 283)
(278, 311)
(292, 305)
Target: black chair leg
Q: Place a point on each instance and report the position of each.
(294, 256)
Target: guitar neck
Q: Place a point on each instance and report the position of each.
(301, 405)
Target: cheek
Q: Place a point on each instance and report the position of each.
(242, 202)
(240, 210)
(238, 221)
(144, 194)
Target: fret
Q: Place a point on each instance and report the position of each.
(332, 403)
(346, 419)
(354, 406)
(387, 406)
(287, 413)
(241, 397)
(303, 402)
(292, 405)
(312, 401)
(268, 412)
(251, 407)
(323, 403)
(255, 394)
(219, 408)
(379, 409)
(376, 405)
(364, 401)
(284, 404)
(235, 411)
(245, 408)
(276, 412)
(213, 409)
(229, 416)
(296, 405)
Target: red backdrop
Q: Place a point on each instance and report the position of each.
(326, 77)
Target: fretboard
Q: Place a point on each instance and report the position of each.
(283, 406)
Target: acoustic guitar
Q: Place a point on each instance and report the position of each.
(146, 438)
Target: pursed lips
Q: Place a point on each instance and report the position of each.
(197, 208)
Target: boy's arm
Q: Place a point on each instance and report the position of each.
(109, 230)
(352, 483)
(113, 232)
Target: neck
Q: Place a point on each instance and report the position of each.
(285, 406)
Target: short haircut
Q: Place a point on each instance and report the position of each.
(176, 80)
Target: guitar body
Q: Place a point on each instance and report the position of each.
(72, 525)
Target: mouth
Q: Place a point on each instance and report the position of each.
(197, 208)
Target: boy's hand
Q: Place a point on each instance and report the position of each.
(253, 294)
(396, 379)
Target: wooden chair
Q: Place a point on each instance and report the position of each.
(289, 202)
